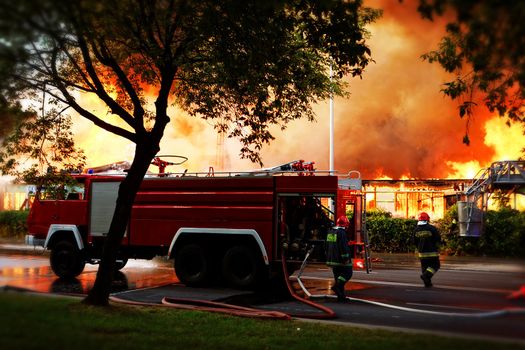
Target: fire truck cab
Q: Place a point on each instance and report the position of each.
(233, 229)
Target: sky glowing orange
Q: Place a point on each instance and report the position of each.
(395, 124)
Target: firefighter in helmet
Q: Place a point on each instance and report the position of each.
(338, 256)
(427, 239)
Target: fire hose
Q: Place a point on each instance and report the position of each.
(235, 310)
(486, 314)
(327, 312)
(212, 306)
(209, 306)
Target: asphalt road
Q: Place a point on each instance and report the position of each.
(469, 297)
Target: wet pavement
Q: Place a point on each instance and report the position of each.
(448, 309)
(22, 268)
(469, 297)
(469, 263)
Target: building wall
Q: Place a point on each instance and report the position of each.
(12, 196)
(407, 198)
(407, 204)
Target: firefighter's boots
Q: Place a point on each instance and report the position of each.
(339, 290)
(427, 279)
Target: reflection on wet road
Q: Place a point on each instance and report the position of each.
(34, 273)
(459, 288)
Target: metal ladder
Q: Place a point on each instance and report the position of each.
(506, 175)
(368, 260)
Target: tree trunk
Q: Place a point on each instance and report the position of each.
(144, 153)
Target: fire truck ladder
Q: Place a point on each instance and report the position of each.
(507, 176)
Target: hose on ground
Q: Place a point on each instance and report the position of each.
(327, 312)
(209, 306)
(485, 314)
(212, 306)
(235, 310)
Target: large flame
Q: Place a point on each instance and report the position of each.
(506, 142)
(396, 123)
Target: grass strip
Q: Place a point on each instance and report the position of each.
(43, 322)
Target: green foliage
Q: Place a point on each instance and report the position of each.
(13, 223)
(243, 65)
(10, 116)
(482, 48)
(297, 41)
(45, 141)
(449, 230)
(504, 234)
(51, 185)
(388, 234)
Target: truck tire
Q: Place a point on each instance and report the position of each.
(120, 263)
(66, 260)
(241, 267)
(192, 265)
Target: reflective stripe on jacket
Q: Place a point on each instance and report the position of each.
(336, 248)
(427, 239)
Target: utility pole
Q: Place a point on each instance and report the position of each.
(331, 125)
(332, 205)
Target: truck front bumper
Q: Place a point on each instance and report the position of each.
(32, 240)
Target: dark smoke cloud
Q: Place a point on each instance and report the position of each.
(396, 121)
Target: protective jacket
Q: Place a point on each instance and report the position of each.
(336, 248)
(427, 240)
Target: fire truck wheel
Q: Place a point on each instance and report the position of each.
(192, 265)
(120, 263)
(66, 260)
(241, 267)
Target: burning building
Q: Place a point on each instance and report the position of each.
(407, 198)
(13, 196)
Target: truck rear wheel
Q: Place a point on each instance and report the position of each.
(66, 260)
(120, 263)
(192, 265)
(241, 267)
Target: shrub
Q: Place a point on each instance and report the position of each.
(504, 234)
(13, 223)
(452, 242)
(388, 234)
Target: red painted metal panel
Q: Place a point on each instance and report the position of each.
(47, 212)
(163, 206)
(306, 184)
(188, 198)
(252, 183)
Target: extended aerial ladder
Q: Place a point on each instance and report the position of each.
(506, 176)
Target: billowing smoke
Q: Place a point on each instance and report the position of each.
(395, 123)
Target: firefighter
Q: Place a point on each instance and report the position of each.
(338, 256)
(427, 239)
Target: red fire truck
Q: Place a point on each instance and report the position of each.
(232, 227)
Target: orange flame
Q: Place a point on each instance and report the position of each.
(396, 123)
